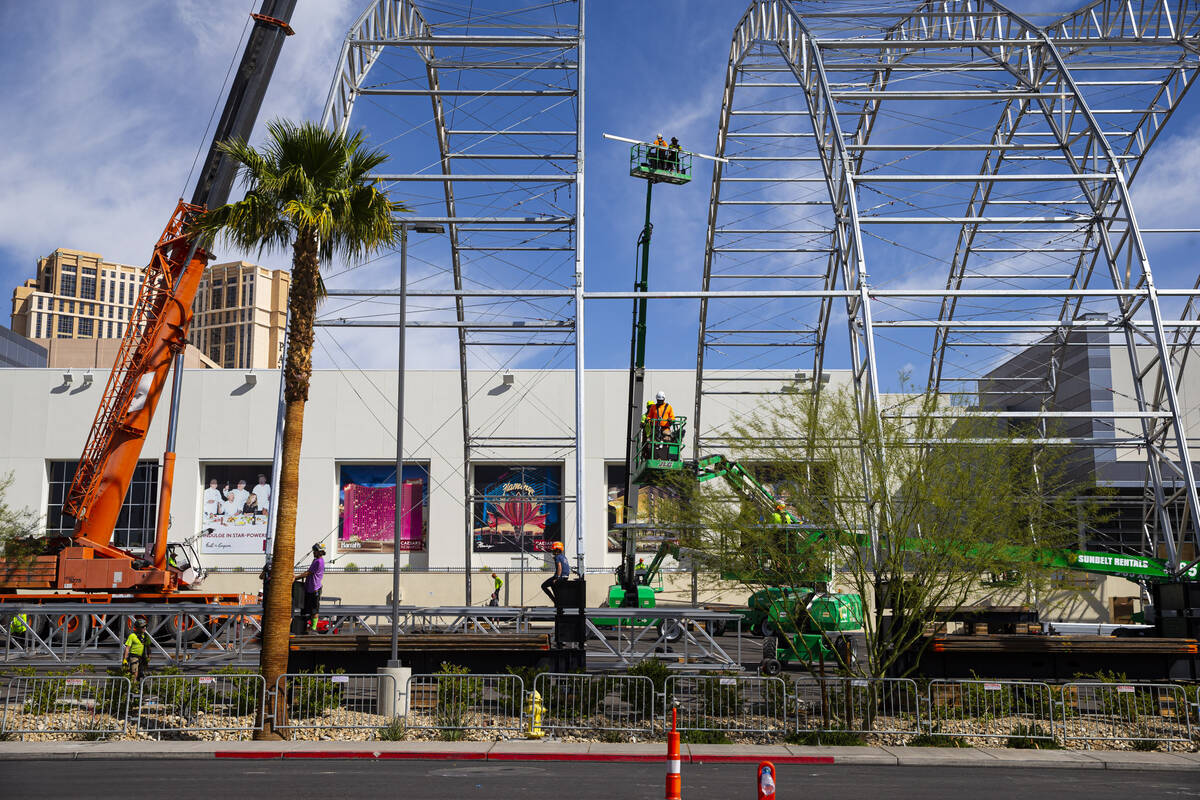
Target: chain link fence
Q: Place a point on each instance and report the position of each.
(334, 702)
(460, 704)
(990, 710)
(579, 703)
(201, 706)
(1102, 713)
(89, 707)
(729, 703)
(884, 706)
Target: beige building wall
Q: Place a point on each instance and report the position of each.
(240, 313)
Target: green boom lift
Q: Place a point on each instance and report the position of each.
(649, 449)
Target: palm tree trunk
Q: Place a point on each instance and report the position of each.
(277, 609)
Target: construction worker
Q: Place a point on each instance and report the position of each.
(673, 152)
(562, 572)
(780, 515)
(135, 657)
(640, 570)
(658, 155)
(314, 578)
(18, 625)
(495, 601)
(662, 415)
(647, 429)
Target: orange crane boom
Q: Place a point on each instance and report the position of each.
(153, 341)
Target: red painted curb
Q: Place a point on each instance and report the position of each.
(377, 754)
(444, 755)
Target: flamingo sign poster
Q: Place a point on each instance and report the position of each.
(517, 508)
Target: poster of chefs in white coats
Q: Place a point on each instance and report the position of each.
(234, 508)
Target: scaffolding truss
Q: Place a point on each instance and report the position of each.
(482, 109)
(944, 185)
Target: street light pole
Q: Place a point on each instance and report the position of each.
(395, 661)
(399, 515)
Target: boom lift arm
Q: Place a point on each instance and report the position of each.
(156, 337)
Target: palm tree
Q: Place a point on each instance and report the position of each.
(310, 189)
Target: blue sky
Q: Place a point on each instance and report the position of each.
(107, 100)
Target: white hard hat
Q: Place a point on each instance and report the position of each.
(660, 397)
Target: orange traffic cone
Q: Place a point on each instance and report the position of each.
(674, 780)
(766, 780)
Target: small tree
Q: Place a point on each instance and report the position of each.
(19, 532)
(914, 511)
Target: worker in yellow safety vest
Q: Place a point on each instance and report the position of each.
(135, 657)
(19, 625)
(495, 601)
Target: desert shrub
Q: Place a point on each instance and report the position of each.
(313, 693)
(1031, 737)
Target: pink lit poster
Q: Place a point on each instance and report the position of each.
(368, 510)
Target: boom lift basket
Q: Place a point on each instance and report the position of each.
(660, 164)
(658, 449)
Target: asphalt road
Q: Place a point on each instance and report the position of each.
(450, 780)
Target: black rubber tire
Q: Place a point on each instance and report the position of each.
(191, 631)
(770, 667)
(76, 627)
(670, 630)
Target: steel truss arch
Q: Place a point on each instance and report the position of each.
(1051, 196)
(508, 103)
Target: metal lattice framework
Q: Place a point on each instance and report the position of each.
(947, 184)
(486, 108)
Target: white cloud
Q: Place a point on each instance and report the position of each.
(111, 102)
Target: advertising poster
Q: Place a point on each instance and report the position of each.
(615, 475)
(234, 507)
(517, 508)
(367, 508)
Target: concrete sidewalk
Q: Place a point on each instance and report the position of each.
(517, 750)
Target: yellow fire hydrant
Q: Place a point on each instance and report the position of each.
(533, 712)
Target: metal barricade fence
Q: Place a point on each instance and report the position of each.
(335, 702)
(733, 703)
(1125, 712)
(194, 704)
(991, 709)
(885, 706)
(85, 705)
(582, 702)
(453, 702)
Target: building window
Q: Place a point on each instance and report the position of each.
(87, 288)
(40, 301)
(139, 513)
(85, 328)
(64, 325)
(110, 331)
(37, 326)
(67, 285)
(122, 294)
